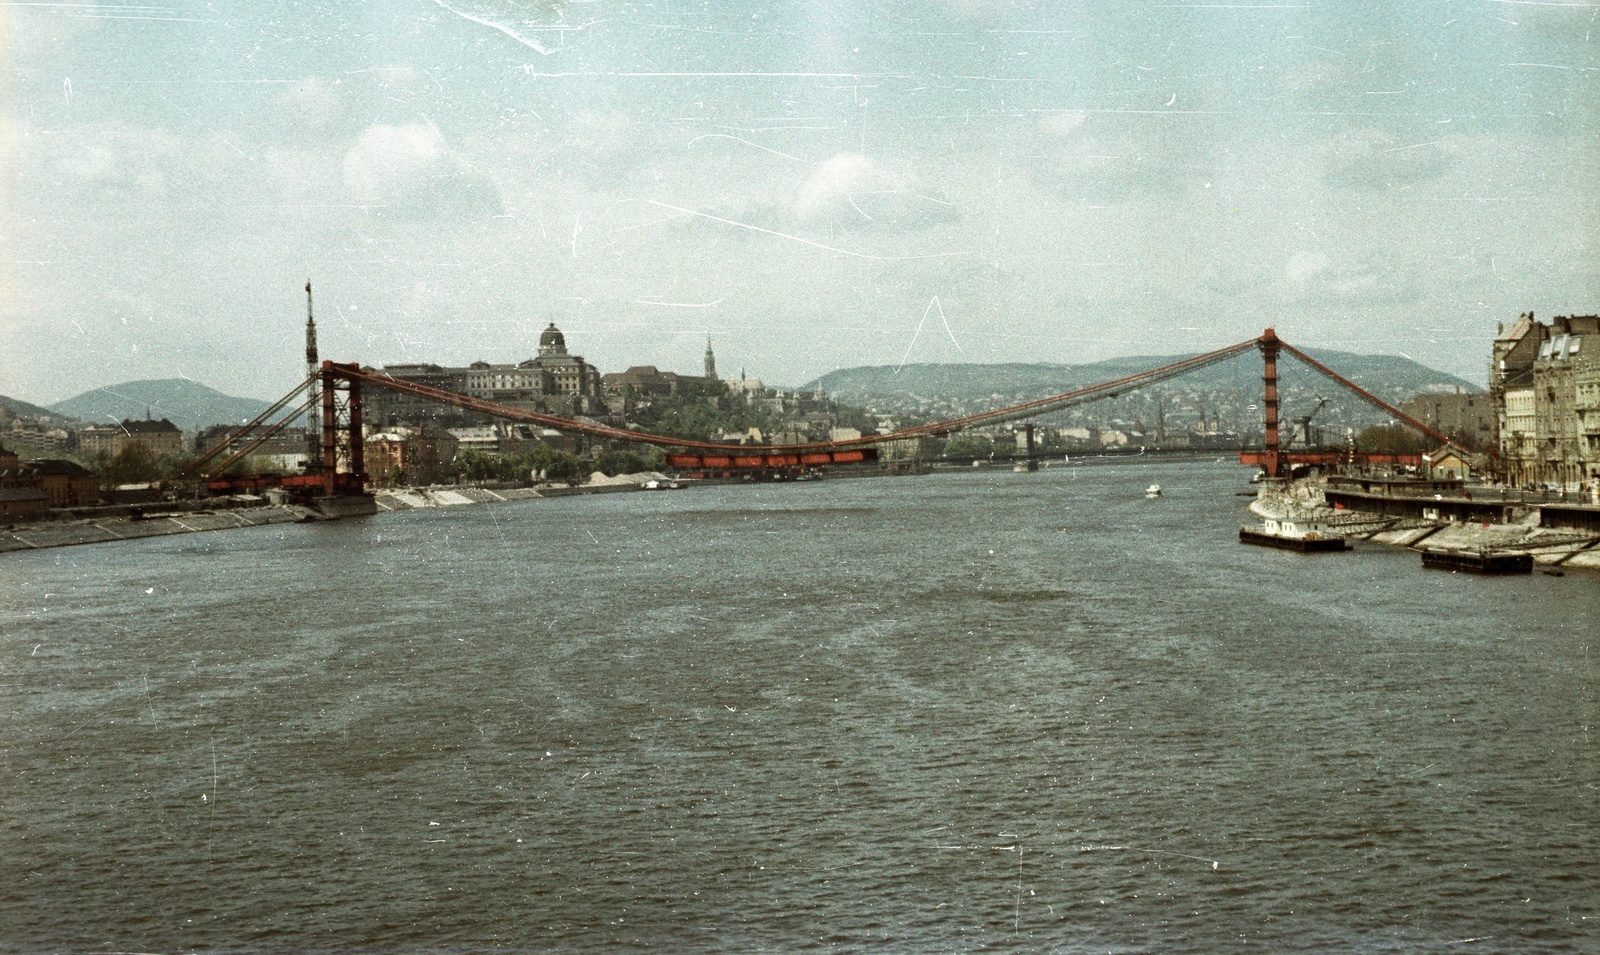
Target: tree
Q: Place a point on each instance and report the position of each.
(557, 465)
(134, 464)
(613, 463)
(968, 446)
(173, 465)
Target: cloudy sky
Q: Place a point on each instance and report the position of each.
(815, 184)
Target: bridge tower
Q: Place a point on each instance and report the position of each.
(341, 400)
(1272, 462)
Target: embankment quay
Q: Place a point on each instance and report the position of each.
(180, 517)
(1554, 529)
(98, 525)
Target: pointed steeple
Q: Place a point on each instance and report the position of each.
(711, 360)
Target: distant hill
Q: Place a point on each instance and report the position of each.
(13, 408)
(187, 404)
(1389, 376)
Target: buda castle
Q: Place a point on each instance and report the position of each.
(553, 382)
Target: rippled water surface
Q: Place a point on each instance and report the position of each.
(953, 712)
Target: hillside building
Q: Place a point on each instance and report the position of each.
(158, 437)
(31, 439)
(625, 390)
(553, 382)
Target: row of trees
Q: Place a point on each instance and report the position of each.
(536, 463)
(542, 462)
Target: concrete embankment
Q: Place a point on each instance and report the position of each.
(102, 525)
(104, 529)
(1557, 547)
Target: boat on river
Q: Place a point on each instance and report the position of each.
(1304, 536)
(1153, 490)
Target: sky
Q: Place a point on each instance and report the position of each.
(812, 184)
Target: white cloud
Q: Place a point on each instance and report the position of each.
(852, 191)
(832, 185)
(1303, 266)
(408, 171)
(389, 161)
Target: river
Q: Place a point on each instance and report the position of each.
(956, 712)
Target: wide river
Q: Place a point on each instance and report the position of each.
(956, 712)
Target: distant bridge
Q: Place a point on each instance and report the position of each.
(342, 466)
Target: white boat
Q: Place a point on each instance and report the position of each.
(1153, 490)
(1300, 535)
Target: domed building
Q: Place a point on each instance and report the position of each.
(553, 382)
(570, 376)
(552, 342)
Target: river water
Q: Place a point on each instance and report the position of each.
(956, 712)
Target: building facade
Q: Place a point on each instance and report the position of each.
(1545, 383)
(158, 437)
(1470, 420)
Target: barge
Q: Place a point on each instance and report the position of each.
(1479, 561)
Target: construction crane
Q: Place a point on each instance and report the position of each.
(1302, 426)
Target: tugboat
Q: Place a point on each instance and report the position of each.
(1153, 490)
(1306, 537)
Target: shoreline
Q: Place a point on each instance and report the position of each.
(1549, 547)
(43, 536)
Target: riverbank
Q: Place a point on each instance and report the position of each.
(100, 530)
(1554, 547)
(189, 517)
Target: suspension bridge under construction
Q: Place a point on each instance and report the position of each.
(332, 395)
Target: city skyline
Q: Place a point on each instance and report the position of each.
(817, 187)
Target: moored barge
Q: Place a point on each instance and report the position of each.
(1479, 561)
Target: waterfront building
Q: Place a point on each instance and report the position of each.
(21, 497)
(1545, 385)
(65, 483)
(553, 382)
(20, 501)
(410, 456)
(484, 438)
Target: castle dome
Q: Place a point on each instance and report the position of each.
(552, 342)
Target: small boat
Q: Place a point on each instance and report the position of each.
(1479, 561)
(1305, 537)
(1153, 490)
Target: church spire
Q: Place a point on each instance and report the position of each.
(711, 360)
